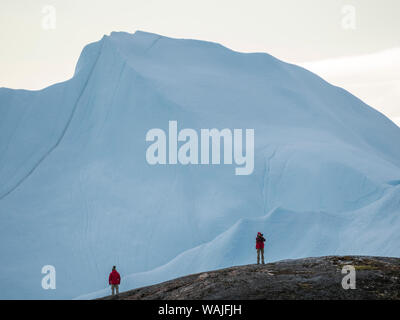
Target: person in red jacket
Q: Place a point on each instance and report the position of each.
(260, 247)
(114, 280)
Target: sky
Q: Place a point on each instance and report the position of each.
(374, 78)
(41, 39)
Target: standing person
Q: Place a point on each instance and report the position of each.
(114, 280)
(260, 247)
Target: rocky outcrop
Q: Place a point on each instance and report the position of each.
(309, 278)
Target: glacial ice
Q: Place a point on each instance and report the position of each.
(77, 193)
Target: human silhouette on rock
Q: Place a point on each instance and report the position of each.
(260, 247)
(114, 280)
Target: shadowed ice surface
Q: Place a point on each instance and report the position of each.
(77, 193)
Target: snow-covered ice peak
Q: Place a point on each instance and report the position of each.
(77, 193)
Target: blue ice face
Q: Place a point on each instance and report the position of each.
(77, 193)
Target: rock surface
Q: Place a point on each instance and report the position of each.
(309, 278)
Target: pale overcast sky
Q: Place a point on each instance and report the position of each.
(34, 54)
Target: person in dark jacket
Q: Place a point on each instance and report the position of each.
(260, 247)
(114, 280)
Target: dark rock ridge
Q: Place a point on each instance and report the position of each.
(309, 278)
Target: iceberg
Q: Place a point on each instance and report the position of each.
(77, 193)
